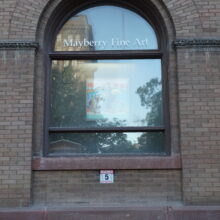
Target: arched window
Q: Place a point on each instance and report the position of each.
(106, 90)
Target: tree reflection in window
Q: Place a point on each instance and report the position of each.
(68, 107)
(151, 95)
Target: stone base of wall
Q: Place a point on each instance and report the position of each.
(139, 213)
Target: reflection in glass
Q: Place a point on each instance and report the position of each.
(106, 28)
(106, 93)
(106, 143)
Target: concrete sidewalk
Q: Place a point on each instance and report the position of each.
(113, 213)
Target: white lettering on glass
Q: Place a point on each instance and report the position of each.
(83, 43)
(141, 43)
(116, 43)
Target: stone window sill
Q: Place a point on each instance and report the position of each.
(112, 163)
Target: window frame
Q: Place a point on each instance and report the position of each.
(160, 53)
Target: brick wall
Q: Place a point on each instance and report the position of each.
(131, 187)
(196, 102)
(19, 19)
(199, 100)
(195, 18)
(209, 13)
(16, 107)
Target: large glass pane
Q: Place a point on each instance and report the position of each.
(106, 93)
(106, 143)
(106, 28)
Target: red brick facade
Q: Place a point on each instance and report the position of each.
(190, 176)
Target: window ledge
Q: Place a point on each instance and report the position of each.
(97, 163)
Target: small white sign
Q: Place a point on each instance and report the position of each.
(106, 176)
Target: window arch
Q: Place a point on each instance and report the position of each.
(107, 85)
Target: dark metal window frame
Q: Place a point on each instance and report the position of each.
(161, 53)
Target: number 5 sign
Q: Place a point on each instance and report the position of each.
(106, 176)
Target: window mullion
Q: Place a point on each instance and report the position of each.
(83, 55)
(107, 129)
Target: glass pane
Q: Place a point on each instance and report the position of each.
(106, 28)
(106, 93)
(106, 143)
